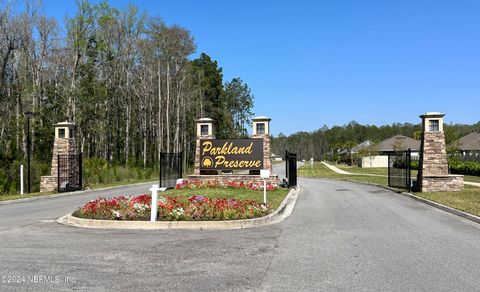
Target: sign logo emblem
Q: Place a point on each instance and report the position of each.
(207, 162)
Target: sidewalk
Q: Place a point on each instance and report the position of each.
(335, 169)
(339, 171)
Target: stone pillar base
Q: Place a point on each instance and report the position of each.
(442, 183)
(233, 178)
(48, 184)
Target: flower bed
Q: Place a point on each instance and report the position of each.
(175, 208)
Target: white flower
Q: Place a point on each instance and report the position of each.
(177, 212)
(140, 207)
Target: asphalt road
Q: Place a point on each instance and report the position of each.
(341, 236)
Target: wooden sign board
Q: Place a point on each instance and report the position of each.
(231, 154)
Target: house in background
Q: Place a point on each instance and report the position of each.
(349, 155)
(469, 147)
(377, 155)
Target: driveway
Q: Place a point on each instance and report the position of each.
(341, 236)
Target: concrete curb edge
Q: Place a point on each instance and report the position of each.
(283, 211)
(442, 207)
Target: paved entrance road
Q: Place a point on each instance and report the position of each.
(341, 236)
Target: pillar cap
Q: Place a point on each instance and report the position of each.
(261, 119)
(204, 120)
(432, 115)
(64, 124)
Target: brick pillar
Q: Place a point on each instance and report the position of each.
(61, 147)
(267, 152)
(64, 143)
(433, 165)
(434, 154)
(205, 130)
(261, 130)
(196, 167)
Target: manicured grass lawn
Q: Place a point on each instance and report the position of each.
(275, 162)
(371, 170)
(274, 198)
(320, 170)
(471, 178)
(18, 196)
(468, 200)
(361, 170)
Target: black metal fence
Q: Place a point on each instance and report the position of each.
(170, 169)
(69, 172)
(291, 168)
(399, 169)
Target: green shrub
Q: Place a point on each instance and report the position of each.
(414, 164)
(10, 176)
(465, 167)
(97, 171)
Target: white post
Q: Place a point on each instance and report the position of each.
(21, 179)
(264, 173)
(153, 214)
(265, 192)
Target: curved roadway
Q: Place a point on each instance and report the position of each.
(341, 236)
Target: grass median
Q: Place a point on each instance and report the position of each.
(320, 170)
(274, 198)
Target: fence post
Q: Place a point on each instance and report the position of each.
(180, 162)
(160, 170)
(58, 173)
(388, 168)
(80, 170)
(21, 179)
(409, 172)
(286, 163)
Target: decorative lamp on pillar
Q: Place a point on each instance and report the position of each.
(260, 126)
(205, 130)
(261, 130)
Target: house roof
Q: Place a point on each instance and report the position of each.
(397, 142)
(357, 148)
(361, 146)
(470, 142)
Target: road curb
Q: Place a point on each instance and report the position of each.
(442, 207)
(445, 208)
(59, 195)
(283, 211)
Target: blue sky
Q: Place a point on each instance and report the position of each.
(311, 63)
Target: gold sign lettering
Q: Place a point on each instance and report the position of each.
(231, 154)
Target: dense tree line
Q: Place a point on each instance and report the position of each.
(125, 78)
(326, 142)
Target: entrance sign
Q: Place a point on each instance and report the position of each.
(223, 154)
